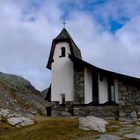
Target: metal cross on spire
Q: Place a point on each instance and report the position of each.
(64, 23)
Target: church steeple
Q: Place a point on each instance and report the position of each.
(64, 36)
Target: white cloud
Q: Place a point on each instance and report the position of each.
(27, 32)
(24, 44)
(118, 52)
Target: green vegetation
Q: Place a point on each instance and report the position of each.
(46, 129)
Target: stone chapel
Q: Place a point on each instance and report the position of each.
(79, 88)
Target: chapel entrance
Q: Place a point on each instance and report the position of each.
(95, 96)
(49, 110)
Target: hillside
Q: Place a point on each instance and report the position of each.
(44, 92)
(18, 94)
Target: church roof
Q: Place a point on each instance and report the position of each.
(64, 36)
(128, 79)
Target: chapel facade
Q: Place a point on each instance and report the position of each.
(79, 88)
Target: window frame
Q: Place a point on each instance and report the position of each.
(111, 90)
(63, 52)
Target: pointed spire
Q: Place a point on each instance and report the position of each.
(63, 34)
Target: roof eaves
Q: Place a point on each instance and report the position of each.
(103, 71)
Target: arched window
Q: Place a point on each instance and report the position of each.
(63, 52)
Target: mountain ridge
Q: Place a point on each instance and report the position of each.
(19, 94)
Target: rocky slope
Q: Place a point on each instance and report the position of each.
(18, 94)
(44, 92)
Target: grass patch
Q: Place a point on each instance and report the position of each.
(48, 129)
(113, 126)
(4, 128)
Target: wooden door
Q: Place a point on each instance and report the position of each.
(95, 96)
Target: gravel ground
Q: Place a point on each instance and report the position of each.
(124, 129)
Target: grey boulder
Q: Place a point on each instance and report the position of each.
(93, 123)
(20, 121)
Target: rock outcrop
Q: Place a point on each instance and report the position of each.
(19, 95)
(20, 121)
(133, 136)
(44, 92)
(92, 123)
(15, 119)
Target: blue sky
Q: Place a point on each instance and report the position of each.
(92, 8)
(106, 31)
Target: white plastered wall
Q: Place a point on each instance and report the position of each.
(88, 85)
(103, 90)
(62, 75)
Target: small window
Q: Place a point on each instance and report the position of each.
(63, 52)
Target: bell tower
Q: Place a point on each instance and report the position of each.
(62, 68)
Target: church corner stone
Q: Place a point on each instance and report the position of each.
(129, 100)
(78, 86)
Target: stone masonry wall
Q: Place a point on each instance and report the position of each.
(98, 111)
(78, 86)
(62, 110)
(76, 110)
(129, 100)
